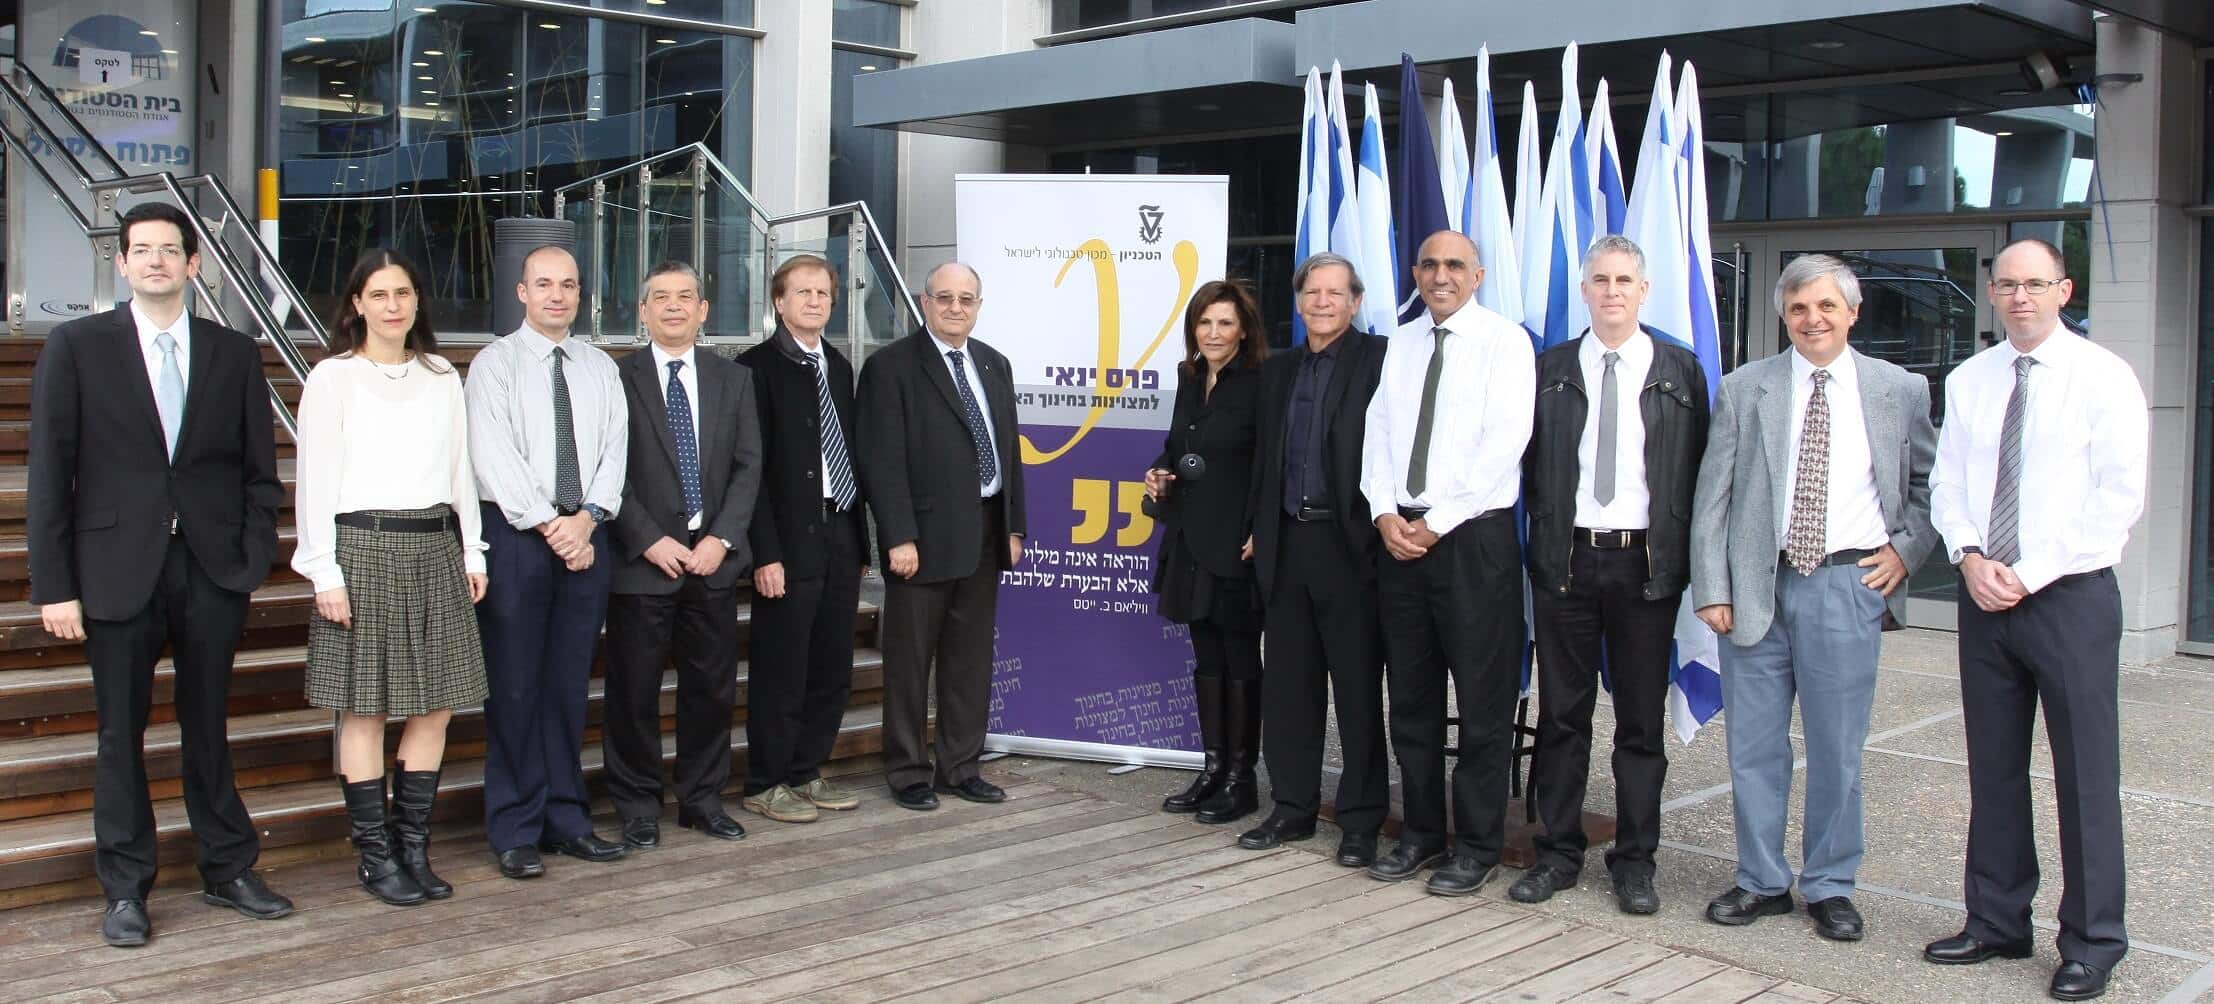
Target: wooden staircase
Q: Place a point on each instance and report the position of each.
(281, 748)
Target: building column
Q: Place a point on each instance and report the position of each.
(791, 108)
(942, 33)
(2141, 297)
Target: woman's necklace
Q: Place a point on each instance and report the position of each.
(404, 368)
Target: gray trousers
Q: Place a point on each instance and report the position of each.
(1822, 650)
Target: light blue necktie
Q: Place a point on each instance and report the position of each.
(169, 391)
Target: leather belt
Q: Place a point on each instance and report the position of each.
(1314, 514)
(396, 524)
(1610, 540)
(1410, 513)
(1848, 556)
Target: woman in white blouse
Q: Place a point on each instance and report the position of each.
(389, 536)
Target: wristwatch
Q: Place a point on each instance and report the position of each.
(1966, 551)
(728, 545)
(598, 514)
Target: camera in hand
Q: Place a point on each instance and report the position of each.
(1189, 467)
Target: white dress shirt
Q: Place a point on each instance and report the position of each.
(1487, 395)
(2084, 444)
(511, 425)
(688, 375)
(179, 329)
(1855, 510)
(1632, 504)
(370, 442)
(983, 404)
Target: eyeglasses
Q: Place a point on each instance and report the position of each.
(966, 300)
(145, 251)
(2035, 287)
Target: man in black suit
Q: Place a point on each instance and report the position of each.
(153, 514)
(694, 469)
(1316, 556)
(944, 477)
(809, 550)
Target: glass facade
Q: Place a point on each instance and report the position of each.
(417, 125)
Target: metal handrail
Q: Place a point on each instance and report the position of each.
(91, 142)
(262, 258)
(714, 163)
(876, 235)
(75, 214)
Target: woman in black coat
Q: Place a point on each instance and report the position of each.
(1204, 573)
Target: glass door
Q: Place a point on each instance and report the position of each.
(1922, 307)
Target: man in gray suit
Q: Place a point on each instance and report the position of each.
(1813, 507)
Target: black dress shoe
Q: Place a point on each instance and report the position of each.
(1357, 850)
(642, 832)
(976, 789)
(1634, 893)
(1460, 875)
(1276, 831)
(1966, 949)
(1835, 918)
(125, 924)
(522, 863)
(1404, 861)
(717, 824)
(916, 796)
(1741, 906)
(587, 847)
(247, 895)
(2077, 981)
(1540, 883)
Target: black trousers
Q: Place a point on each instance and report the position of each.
(540, 624)
(202, 622)
(1224, 654)
(2062, 646)
(1456, 610)
(697, 627)
(801, 668)
(1324, 641)
(1604, 614)
(950, 623)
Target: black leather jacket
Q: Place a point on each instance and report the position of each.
(1674, 405)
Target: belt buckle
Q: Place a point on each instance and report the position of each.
(1621, 539)
(172, 524)
(376, 523)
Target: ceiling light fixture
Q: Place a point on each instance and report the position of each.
(434, 52)
(316, 40)
(1826, 44)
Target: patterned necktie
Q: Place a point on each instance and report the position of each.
(687, 442)
(837, 468)
(1602, 483)
(2006, 494)
(169, 392)
(987, 463)
(1418, 465)
(568, 484)
(1810, 495)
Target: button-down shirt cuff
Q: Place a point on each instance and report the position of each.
(2035, 574)
(472, 562)
(326, 581)
(532, 516)
(1443, 519)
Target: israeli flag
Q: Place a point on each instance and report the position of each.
(1453, 159)
(1311, 230)
(1608, 208)
(1553, 309)
(1529, 186)
(1345, 211)
(1378, 240)
(1483, 216)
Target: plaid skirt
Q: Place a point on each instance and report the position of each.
(413, 646)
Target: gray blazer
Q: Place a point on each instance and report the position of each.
(1742, 496)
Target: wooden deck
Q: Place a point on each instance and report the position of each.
(1053, 896)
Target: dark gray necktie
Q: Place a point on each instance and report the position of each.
(1602, 482)
(987, 462)
(2006, 493)
(568, 484)
(1418, 465)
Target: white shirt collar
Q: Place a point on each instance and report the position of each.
(684, 357)
(180, 329)
(1636, 350)
(538, 344)
(1841, 369)
(2052, 351)
(945, 346)
(1462, 321)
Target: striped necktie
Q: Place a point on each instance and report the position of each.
(2006, 493)
(837, 467)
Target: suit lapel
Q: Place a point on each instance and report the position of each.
(935, 370)
(197, 381)
(1879, 412)
(122, 343)
(1341, 374)
(1775, 427)
(711, 399)
(643, 380)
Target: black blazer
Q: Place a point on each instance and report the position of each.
(103, 486)
(1208, 516)
(1359, 369)
(919, 461)
(1673, 404)
(730, 469)
(788, 515)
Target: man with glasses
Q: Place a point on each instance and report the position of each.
(153, 514)
(944, 479)
(2040, 614)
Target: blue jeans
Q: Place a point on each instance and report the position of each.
(1822, 649)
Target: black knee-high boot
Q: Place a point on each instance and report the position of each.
(1207, 697)
(1241, 735)
(380, 872)
(414, 792)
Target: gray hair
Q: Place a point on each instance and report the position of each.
(1807, 269)
(1324, 259)
(955, 263)
(1614, 244)
(672, 268)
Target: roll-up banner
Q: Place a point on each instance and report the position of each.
(1085, 280)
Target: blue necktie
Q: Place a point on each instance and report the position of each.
(169, 392)
(687, 444)
(987, 462)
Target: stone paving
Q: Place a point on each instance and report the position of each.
(1916, 784)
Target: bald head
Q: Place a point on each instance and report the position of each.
(1447, 271)
(549, 290)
